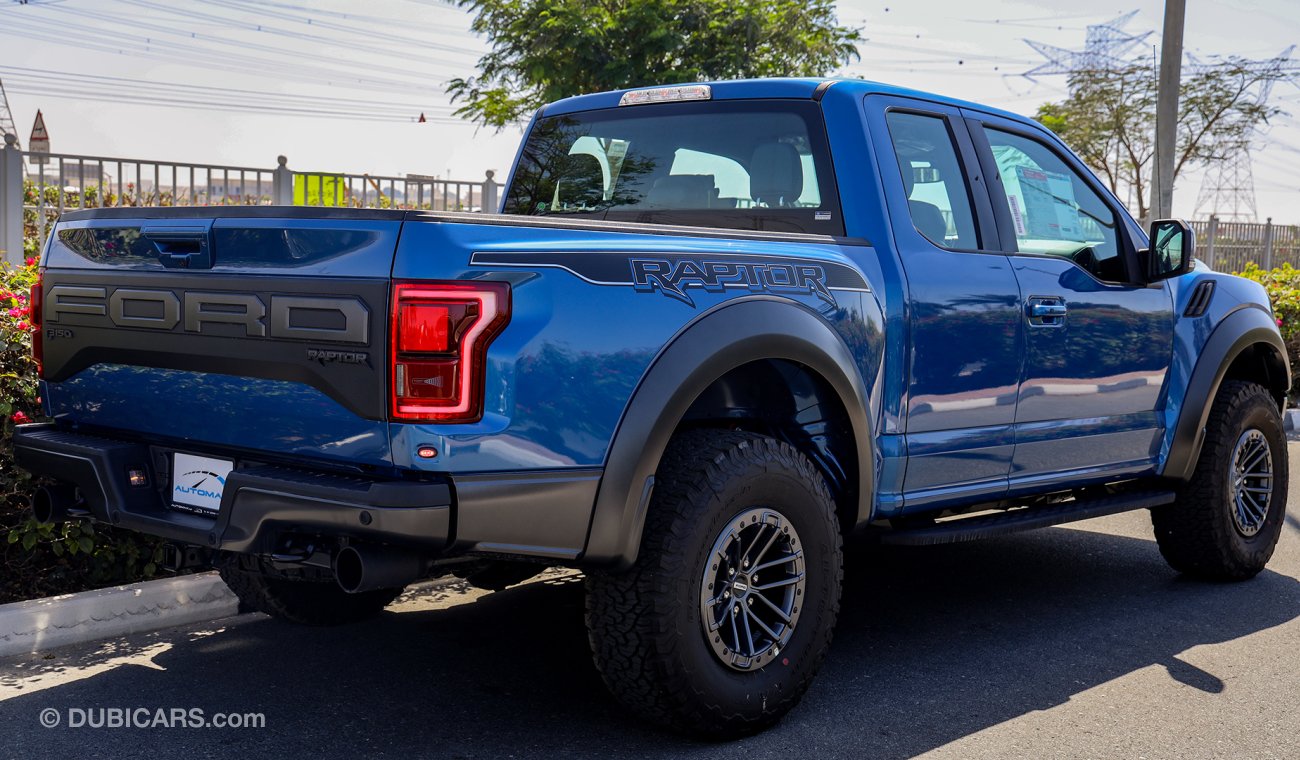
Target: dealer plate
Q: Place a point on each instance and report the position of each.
(197, 482)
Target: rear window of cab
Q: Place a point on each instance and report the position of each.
(750, 165)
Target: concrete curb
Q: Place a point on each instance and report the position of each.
(58, 621)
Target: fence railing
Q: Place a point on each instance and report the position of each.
(36, 188)
(1230, 246)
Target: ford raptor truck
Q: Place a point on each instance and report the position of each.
(715, 331)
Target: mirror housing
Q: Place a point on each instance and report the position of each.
(1172, 250)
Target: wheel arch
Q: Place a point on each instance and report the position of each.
(719, 342)
(1244, 346)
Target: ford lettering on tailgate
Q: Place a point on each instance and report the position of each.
(160, 309)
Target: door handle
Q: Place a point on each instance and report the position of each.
(1047, 312)
(181, 247)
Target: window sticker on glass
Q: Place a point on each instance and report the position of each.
(1043, 204)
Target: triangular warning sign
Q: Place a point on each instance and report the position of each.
(422, 120)
(40, 142)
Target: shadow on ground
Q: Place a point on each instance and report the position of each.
(934, 644)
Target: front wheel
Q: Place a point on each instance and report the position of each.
(1228, 518)
(724, 619)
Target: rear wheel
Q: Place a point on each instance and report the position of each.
(1228, 518)
(724, 619)
(306, 600)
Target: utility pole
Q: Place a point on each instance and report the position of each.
(1171, 69)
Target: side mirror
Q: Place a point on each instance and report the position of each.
(1172, 251)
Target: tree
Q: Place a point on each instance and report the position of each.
(1109, 118)
(544, 50)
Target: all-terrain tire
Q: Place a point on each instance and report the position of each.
(306, 601)
(1199, 534)
(645, 624)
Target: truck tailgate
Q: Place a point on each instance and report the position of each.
(255, 330)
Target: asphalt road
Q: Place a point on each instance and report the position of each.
(1070, 642)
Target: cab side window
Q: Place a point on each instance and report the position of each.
(1053, 209)
(937, 195)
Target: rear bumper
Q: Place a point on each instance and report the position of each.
(259, 503)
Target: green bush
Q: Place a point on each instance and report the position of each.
(1283, 286)
(39, 560)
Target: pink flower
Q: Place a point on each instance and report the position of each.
(20, 418)
(31, 261)
(23, 326)
(15, 312)
(1279, 321)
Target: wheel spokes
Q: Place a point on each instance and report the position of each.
(779, 561)
(749, 614)
(777, 584)
(779, 612)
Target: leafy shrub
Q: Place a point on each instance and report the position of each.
(1283, 286)
(38, 560)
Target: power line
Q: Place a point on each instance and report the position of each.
(195, 54)
(202, 60)
(386, 36)
(98, 95)
(136, 24)
(164, 89)
(302, 36)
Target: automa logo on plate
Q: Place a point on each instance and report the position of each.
(206, 484)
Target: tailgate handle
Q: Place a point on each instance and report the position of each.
(181, 247)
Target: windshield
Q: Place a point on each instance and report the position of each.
(754, 165)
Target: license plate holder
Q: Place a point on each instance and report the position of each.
(198, 482)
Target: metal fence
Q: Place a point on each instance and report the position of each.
(36, 188)
(1230, 246)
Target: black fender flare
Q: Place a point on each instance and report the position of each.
(1246, 327)
(716, 342)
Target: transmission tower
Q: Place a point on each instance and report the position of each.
(1228, 190)
(7, 125)
(1105, 47)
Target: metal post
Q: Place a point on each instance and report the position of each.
(282, 184)
(11, 201)
(1212, 232)
(1171, 66)
(490, 203)
(1268, 243)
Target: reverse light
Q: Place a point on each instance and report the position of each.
(666, 95)
(35, 302)
(440, 332)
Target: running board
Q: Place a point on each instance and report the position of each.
(985, 526)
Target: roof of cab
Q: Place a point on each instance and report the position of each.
(758, 89)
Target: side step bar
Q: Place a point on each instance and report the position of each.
(959, 529)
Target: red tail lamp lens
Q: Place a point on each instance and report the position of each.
(440, 335)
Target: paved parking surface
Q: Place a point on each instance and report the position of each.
(1071, 642)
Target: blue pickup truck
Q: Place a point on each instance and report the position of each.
(716, 331)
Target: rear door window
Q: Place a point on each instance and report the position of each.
(937, 196)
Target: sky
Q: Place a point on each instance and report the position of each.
(347, 81)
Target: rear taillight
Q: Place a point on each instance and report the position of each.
(440, 332)
(35, 302)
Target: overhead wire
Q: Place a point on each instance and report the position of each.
(173, 31)
(387, 36)
(386, 52)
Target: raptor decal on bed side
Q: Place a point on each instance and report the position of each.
(674, 275)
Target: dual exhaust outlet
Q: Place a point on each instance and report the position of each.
(357, 568)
